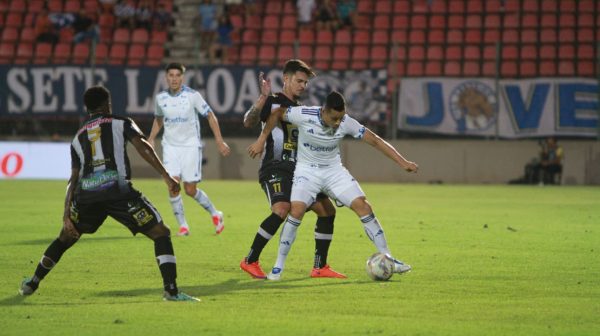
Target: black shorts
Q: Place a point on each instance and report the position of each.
(276, 181)
(137, 214)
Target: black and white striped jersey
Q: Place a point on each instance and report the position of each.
(282, 143)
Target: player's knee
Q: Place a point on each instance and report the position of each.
(191, 190)
(281, 209)
(67, 238)
(361, 206)
(159, 230)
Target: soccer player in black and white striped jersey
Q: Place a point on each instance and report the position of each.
(100, 186)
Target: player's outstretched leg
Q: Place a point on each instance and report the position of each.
(266, 231)
(50, 258)
(375, 232)
(217, 216)
(177, 206)
(323, 237)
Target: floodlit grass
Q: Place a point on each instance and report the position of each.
(487, 260)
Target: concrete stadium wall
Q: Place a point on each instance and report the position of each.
(440, 161)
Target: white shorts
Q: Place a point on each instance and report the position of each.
(183, 162)
(335, 181)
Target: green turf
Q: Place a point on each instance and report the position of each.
(487, 260)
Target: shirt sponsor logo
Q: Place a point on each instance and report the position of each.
(176, 120)
(319, 148)
(99, 180)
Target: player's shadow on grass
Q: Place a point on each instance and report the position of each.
(235, 285)
(83, 240)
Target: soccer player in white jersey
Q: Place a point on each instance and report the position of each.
(177, 109)
(319, 169)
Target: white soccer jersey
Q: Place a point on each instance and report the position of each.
(317, 143)
(180, 116)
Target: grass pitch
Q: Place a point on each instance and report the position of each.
(487, 260)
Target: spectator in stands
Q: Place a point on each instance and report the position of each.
(346, 12)
(223, 42)
(208, 23)
(326, 16)
(85, 27)
(143, 15)
(44, 28)
(125, 13)
(305, 12)
(162, 17)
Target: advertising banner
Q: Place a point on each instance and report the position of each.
(515, 109)
(35, 160)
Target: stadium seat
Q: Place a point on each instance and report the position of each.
(566, 51)
(528, 69)
(567, 6)
(566, 20)
(269, 36)
(529, 52)
(364, 6)
(361, 37)
(10, 34)
(253, 22)
(285, 52)
(55, 6)
(473, 36)
(455, 36)
(509, 69)
(586, 6)
(529, 36)
(381, 21)
(416, 53)
(437, 22)
(529, 21)
(456, 22)
(274, 8)
(140, 36)
(547, 68)
(400, 22)
(585, 69)
(325, 37)
(43, 53)
(488, 69)
(360, 53)
(62, 53)
(491, 21)
(456, 7)
(585, 20)
(493, 6)
(250, 36)
(289, 22)
(92, 6)
(433, 68)
(402, 6)
(136, 54)
(454, 52)
(548, 36)
(452, 68)
(491, 35)
(18, 7)
(510, 36)
(475, 7)
(435, 52)
(436, 36)
(81, 53)
(155, 55)
(547, 51)
(566, 35)
(341, 53)
(531, 6)
(266, 54)
(471, 68)
(14, 20)
(72, 6)
(511, 21)
(158, 37)
(306, 36)
(472, 52)
(271, 22)
(35, 6)
(585, 35)
(489, 52)
(549, 6)
(473, 21)
(378, 54)
(414, 68)
(237, 21)
(101, 53)
(383, 6)
(438, 7)
(399, 36)
(7, 52)
(287, 36)
(24, 53)
(418, 21)
(338, 65)
(305, 53)
(323, 53)
(585, 51)
(66, 34)
(566, 68)
(510, 52)
(548, 20)
(117, 54)
(343, 37)
(121, 35)
(248, 54)
(416, 37)
(512, 6)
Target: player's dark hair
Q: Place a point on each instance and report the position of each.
(176, 66)
(335, 101)
(294, 65)
(96, 99)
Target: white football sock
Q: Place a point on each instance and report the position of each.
(177, 205)
(375, 232)
(288, 235)
(205, 202)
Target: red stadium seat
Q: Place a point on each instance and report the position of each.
(136, 54)
(14, 20)
(456, 7)
(586, 6)
(436, 36)
(529, 36)
(510, 36)
(72, 6)
(511, 21)
(472, 52)
(437, 22)
(81, 53)
(547, 51)
(155, 55)
(510, 52)
(364, 6)
(585, 20)
(566, 35)
(473, 21)
(248, 54)
(269, 36)
(339, 65)
(454, 52)
(24, 53)
(488, 69)
(325, 37)
(380, 37)
(7, 52)
(585, 51)
(585, 68)
(548, 36)
(399, 36)
(35, 6)
(121, 35)
(509, 69)
(140, 36)
(531, 6)
(287, 36)
(585, 35)
(491, 35)
(402, 6)
(18, 7)
(274, 7)
(343, 37)
(237, 21)
(471, 68)
(289, 22)
(117, 54)
(383, 6)
(43, 53)
(250, 36)
(323, 53)
(305, 53)
(493, 6)
(400, 22)
(418, 21)
(456, 22)
(66, 34)
(489, 52)
(548, 20)
(435, 52)
(62, 53)
(566, 20)
(285, 52)
(360, 53)
(253, 22)
(416, 37)
(567, 6)
(529, 52)
(342, 53)
(306, 36)
(158, 37)
(512, 6)
(566, 68)
(10, 34)
(101, 53)
(566, 51)
(382, 21)
(361, 37)
(492, 21)
(416, 53)
(529, 21)
(473, 36)
(55, 6)
(415, 68)
(266, 54)
(548, 68)
(455, 37)
(528, 68)
(271, 22)
(378, 53)
(106, 20)
(433, 68)
(452, 69)
(549, 6)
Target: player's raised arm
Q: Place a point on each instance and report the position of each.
(389, 151)
(258, 146)
(252, 116)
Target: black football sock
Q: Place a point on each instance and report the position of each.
(165, 257)
(51, 256)
(323, 236)
(266, 231)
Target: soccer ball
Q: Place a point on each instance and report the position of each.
(380, 267)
